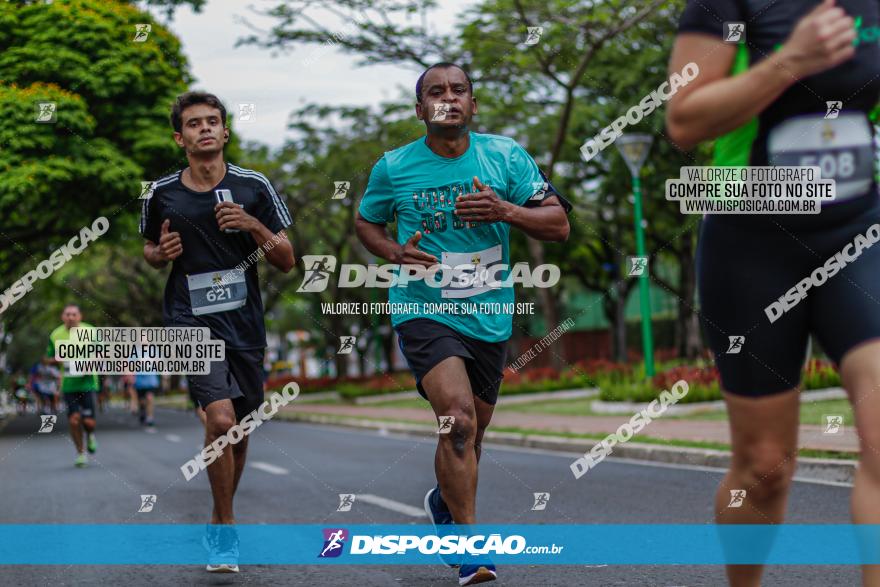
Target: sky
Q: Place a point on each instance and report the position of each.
(278, 85)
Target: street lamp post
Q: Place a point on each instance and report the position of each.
(634, 150)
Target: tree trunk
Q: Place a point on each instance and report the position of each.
(548, 303)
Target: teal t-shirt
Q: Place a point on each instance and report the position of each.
(419, 188)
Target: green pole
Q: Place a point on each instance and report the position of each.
(644, 286)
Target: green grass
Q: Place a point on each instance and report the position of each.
(811, 412)
(815, 411)
(811, 453)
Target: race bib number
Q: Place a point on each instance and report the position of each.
(472, 273)
(216, 291)
(842, 148)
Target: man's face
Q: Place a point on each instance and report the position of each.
(203, 131)
(446, 98)
(71, 316)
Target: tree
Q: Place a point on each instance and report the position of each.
(105, 130)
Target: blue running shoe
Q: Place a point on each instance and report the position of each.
(221, 542)
(473, 574)
(439, 514)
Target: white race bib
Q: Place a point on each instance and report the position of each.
(471, 272)
(216, 291)
(841, 147)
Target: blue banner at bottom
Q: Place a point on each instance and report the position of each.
(648, 544)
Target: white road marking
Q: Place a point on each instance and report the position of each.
(269, 468)
(390, 504)
(172, 438)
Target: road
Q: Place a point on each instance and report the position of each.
(296, 472)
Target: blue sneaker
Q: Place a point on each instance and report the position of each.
(439, 514)
(221, 542)
(473, 574)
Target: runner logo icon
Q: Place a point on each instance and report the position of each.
(444, 424)
(534, 35)
(340, 189)
(346, 345)
(318, 271)
(147, 503)
(637, 266)
(734, 32)
(142, 32)
(834, 107)
(334, 541)
(541, 500)
(833, 424)
(440, 111)
(346, 500)
(736, 344)
(146, 190)
(47, 423)
(737, 497)
(45, 112)
(247, 112)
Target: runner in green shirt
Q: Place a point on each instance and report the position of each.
(78, 390)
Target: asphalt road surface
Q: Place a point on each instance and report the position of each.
(296, 471)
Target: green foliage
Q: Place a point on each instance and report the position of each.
(112, 98)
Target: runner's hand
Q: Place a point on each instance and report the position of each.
(170, 245)
(409, 253)
(821, 40)
(482, 206)
(231, 215)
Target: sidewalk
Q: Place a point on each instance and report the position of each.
(810, 436)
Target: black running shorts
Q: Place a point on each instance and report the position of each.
(425, 343)
(238, 378)
(80, 403)
(744, 266)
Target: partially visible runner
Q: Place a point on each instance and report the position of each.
(79, 391)
(22, 396)
(44, 381)
(208, 219)
(455, 194)
(775, 99)
(147, 385)
(127, 381)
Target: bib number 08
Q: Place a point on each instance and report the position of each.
(833, 165)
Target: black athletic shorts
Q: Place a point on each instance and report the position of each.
(744, 267)
(238, 378)
(80, 403)
(142, 392)
(425, 343)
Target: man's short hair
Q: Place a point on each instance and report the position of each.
(444, 65)
(71, 305)
(188, 99)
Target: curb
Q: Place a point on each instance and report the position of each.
(808, 469)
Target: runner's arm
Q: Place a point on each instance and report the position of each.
(375, 239)
(153, 255)
(279, 251)
(547, 222)
(713, 104)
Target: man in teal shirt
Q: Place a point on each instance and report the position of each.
(455, 194)
(78, 390)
